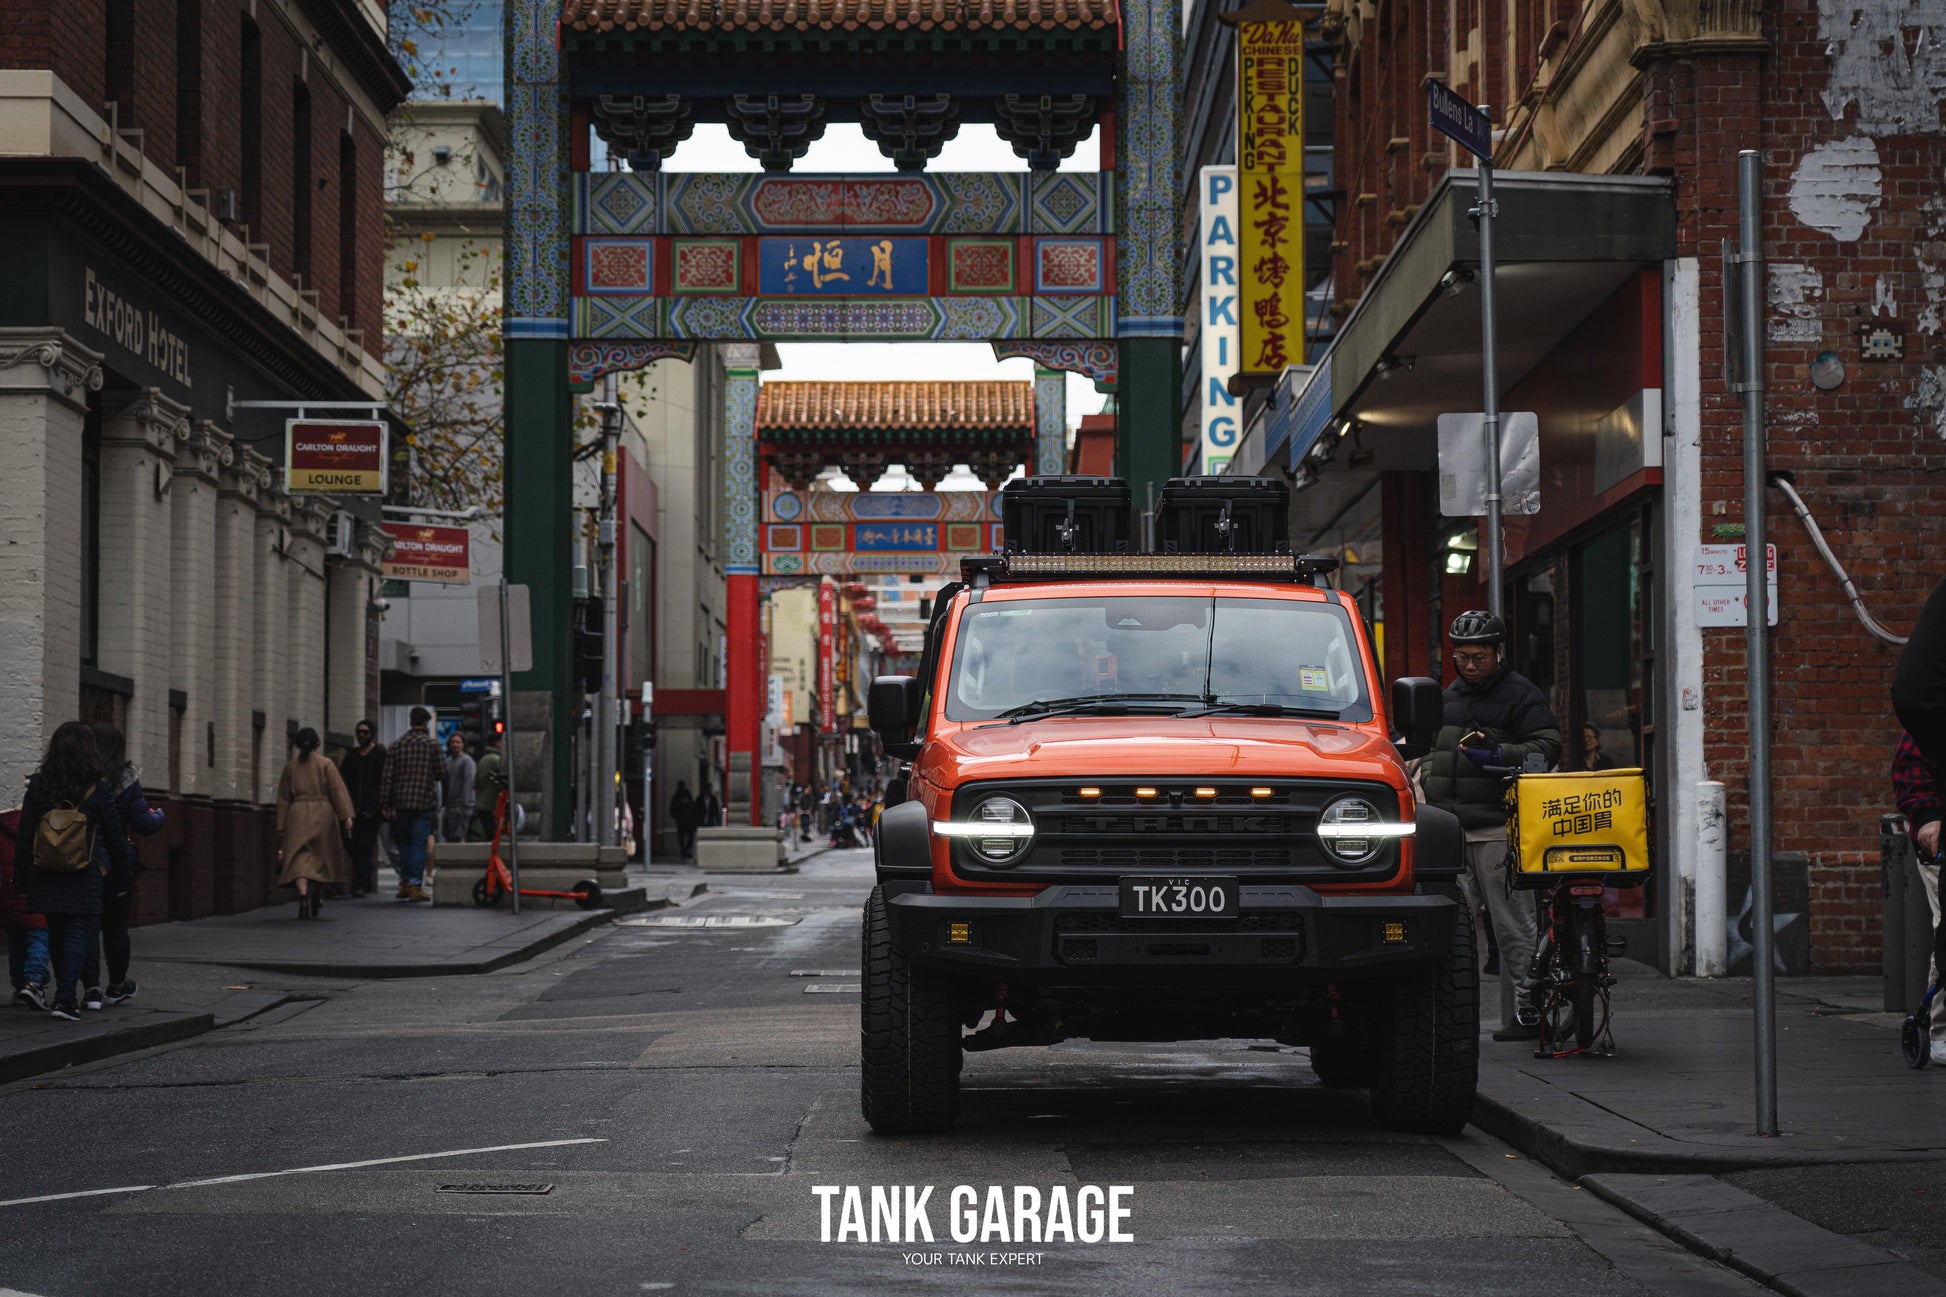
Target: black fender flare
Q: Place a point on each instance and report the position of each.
(902, 847)
(1438, 844)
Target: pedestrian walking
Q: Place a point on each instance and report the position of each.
(25, 930)
(1494, 716)
(682, 813)
(488, 780)
(314, 811)
(124, 783)
(456, 790)
(72, 837)
(709, 811)
(1919, 686)
(1916, 793)
(807, 803)
(414, 770)
(363, 772)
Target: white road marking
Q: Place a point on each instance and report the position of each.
(708, 921)
(824, 972)
(834, 988)
(300, 1170)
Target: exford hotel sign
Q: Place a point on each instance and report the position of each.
(135, 329)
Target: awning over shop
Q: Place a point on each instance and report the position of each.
(1410, 351)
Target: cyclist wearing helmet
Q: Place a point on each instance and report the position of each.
(1494, 717)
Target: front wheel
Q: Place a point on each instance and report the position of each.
(908, 1039)
(1427, 1063)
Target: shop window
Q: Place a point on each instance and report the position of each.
(189, 90)
(252, 76)
(301, 198)
(348, 267)
(118, 76)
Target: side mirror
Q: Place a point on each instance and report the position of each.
(1418, 706)
(893, 705)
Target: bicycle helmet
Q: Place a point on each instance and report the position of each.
(1476, 627)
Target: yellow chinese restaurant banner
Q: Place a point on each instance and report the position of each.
(1270, 198)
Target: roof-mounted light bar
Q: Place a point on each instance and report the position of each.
(1076, 567)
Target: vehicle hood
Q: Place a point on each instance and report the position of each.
(1084, 746)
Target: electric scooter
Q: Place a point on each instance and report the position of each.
(499, 880)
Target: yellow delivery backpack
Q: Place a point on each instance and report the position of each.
(1584, 824)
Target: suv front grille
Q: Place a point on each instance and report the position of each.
(1168, 858)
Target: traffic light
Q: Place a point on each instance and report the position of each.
(496, 724)
(472, 725)
(587, 651)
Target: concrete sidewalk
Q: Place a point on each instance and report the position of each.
(1665, 1129)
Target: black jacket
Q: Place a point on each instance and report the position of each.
(364, 777)
(1513, 713)
(77, 892)
(1919, 687)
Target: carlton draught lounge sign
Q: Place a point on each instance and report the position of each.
(335, 457)
(428, 553)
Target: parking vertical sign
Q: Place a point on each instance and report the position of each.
(1218, 326)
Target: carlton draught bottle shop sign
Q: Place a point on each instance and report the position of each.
(335, 457)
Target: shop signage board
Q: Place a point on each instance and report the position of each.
(421, 553)
(1463, 464)
(1217, 329)
(1721, 595)
(1270, 195)
(827, 676)
(334, 456)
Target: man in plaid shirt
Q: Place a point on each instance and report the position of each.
(414, 770)
(1918, 800)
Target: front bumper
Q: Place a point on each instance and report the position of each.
(1076, 934)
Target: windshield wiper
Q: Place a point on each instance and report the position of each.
(1101, 704)
(1262, 709)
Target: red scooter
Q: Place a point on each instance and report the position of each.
(499, 880)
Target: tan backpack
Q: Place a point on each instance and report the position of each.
(64, 840)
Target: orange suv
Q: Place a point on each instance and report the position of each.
(1156, 797)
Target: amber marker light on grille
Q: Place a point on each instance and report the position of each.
(1145, 792)
(960, 934)
(1206, 792)
(1260, 792)
(1091, 792)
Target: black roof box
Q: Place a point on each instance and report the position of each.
(1223, 515)
(1068, 514)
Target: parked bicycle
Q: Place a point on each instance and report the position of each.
(1574, 835)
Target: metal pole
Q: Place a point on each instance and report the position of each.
(1490, 371)
(1757, 639)
(606, 746)
(507, 741)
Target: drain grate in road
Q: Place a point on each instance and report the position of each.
(710, 921)
(528, 1189)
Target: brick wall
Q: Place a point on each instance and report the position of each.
(71, 38)
(1855, 217)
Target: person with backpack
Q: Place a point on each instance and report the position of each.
(72, 836)
(26, 931)
(314, 813)
(124, 784)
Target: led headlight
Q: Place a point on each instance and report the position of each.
(1352, 831)
(999, 830)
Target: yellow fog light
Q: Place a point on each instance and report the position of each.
(1392, 933)
(959, 934)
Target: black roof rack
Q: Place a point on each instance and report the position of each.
(1279, 568)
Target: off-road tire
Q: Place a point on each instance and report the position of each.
(1428, 1038)
(908, 1040)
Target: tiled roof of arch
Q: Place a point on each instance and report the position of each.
(598, 16)
(986, 407)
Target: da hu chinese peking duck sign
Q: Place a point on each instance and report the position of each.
(1270, 195)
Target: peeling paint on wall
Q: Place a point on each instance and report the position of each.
(1882, 303)
(1930, 396)
(1886, 62)
(1836, 186)
(1933, 288)
(1794, 290)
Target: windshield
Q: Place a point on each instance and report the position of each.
(1155, 653)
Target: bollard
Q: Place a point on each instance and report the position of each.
(1893, 848)
(1712, 933)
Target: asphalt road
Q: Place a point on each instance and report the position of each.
(683, 1081)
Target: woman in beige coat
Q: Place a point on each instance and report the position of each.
(313, 810)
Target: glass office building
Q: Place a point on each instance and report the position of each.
(466, 54)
